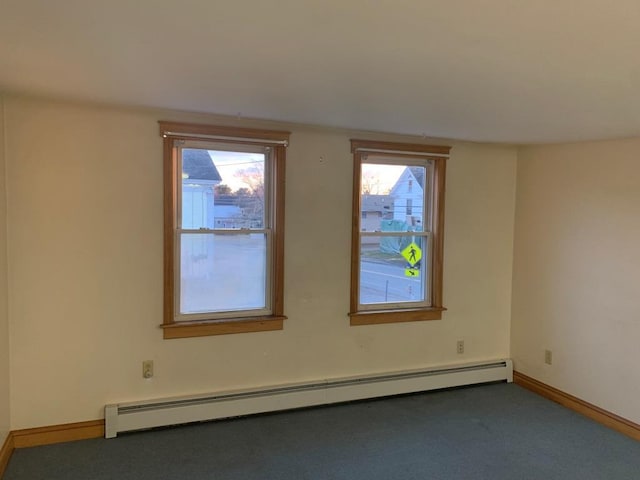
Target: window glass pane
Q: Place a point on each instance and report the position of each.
(392, 198)
(222, 189)
(392, 269)
(221, 273)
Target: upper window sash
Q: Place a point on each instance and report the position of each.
(267, 220)
(370, 157)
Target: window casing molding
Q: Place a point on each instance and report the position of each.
(413, 153)
(176, 135)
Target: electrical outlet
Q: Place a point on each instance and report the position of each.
(460, 347)
(548, 357)
(147, 369)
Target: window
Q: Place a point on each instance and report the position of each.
(396, 265)
(223, 233)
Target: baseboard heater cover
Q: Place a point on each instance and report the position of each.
(125, 417)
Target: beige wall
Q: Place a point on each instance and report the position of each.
(4, 320)
(577, 271)
(84, 230)
(85, 258)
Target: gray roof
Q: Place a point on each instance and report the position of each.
(376, 203)
(418, 172)
(197, 165)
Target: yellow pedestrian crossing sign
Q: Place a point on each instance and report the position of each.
(412, 253)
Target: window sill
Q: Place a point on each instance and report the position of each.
(222, 327)
(374, 317)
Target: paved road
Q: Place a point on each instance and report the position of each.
(382, 282)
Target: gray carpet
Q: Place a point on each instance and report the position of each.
(496, 432)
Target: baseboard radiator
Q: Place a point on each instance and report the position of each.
(124, 417)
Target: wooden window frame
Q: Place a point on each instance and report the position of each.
(439, 155)
(173, 134)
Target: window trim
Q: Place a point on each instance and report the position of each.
(174, 132)
(438, 154)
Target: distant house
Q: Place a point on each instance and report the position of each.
(227, 212)
(373, 210)
(199, 177)
(408, 196)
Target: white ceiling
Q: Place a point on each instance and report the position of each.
(515, 71)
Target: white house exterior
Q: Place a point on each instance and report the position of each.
(408, 197)
(199, 177)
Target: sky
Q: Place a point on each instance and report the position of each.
(229, 163)
(381, 178)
